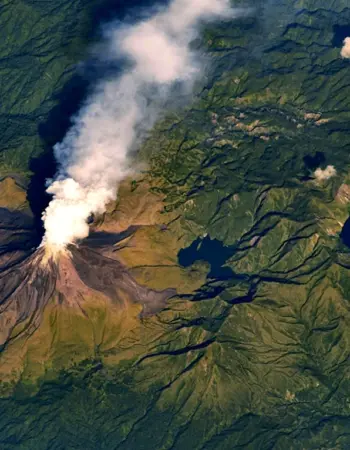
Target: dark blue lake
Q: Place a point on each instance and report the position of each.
(210, 250)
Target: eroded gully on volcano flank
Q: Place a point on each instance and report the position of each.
(28, 281)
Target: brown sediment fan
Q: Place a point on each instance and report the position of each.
(29, 280)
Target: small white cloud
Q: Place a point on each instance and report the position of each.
(326, 174)
(345, 51)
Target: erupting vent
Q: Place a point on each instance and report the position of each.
(30, 278)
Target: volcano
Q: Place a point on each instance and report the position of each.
(30, 278)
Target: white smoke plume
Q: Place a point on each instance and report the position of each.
(345, 51)
(94, 156)
(325, 174)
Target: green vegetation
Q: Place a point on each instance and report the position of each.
(257, 355)
(42, 43)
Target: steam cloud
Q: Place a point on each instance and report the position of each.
(94, 156)
(345, 51)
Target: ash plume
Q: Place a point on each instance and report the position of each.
(95, 154)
